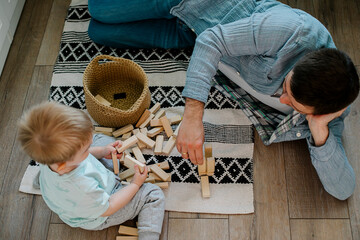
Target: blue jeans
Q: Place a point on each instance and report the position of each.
(137, 23)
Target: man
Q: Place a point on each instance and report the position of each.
(268, 49)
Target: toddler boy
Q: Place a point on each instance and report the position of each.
(74, 183)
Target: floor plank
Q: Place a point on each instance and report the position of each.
(183, 215)
(271, 206)
(55, 218)
(21, 209)
(165, 227)
(306, 195)
(339, 17)
(209, 229)
(40, 219)
(112, 232)
(242, 227)
(62, 231)
(50, 44)
(351, 139)
(210, 215)
(320, 229)
(17, 73)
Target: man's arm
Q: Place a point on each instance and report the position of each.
(329, 158)
(261, 34)
(191, 132)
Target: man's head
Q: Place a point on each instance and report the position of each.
(54, 133)
(324, 81)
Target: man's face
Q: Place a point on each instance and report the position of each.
(287, 98)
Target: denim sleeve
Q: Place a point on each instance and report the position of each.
(331, 163)
(260, 34)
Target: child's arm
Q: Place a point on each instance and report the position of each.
(105, 151)
(119, 199)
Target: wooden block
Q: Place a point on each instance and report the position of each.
(147, 121)
(140, 144)
(205, 186)
(155, 131)
(129, 179)
(115, 163)
(141, 165)
(128, 230)
(124, 183)
(150, 180)
(166, 125)
(127, 144)
(169, 145)
(143, 117)
(163, 165)
(155, 108)
(102, 100)
(138, 154)
(143, 138)
(126, 238)
(135, 131)
(158, 144)
(127, 173)
(122, 159)
(161, 173)
(163, 185)
(123, 130)
(202, 168)
(175, 120)
(210, 166)
(159, 114)
(104, 129)
(144, 131)
(105, 133)
(175, 134)
(155, 123)
(158, 179)
(125, 136)
(208, 150)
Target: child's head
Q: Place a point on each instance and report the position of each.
(54, 133)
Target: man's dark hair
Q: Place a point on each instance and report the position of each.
(325, 79)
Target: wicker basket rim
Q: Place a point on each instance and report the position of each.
(115, 60)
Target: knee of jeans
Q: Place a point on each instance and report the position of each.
(95, 33)
(95, 11)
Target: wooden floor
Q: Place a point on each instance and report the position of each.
(290, 202)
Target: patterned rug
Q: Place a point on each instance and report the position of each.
(226, 126)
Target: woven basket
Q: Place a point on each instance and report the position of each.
(111, 77)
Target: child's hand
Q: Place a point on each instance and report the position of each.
(110, 148)
(139, 178)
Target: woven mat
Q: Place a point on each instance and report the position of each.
(226, 127)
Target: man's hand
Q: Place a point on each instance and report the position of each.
(191, 133)
(318, 125)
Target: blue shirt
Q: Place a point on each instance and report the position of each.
(81, 196)
(263, 40)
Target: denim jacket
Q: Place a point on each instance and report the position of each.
(263, 40)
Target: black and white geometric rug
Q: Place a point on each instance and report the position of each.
(226, 126)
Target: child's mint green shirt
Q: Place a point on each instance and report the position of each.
(81, 196)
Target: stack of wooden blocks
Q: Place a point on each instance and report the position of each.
(206, 169)
(140, 137)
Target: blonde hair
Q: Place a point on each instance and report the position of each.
(51, 132)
